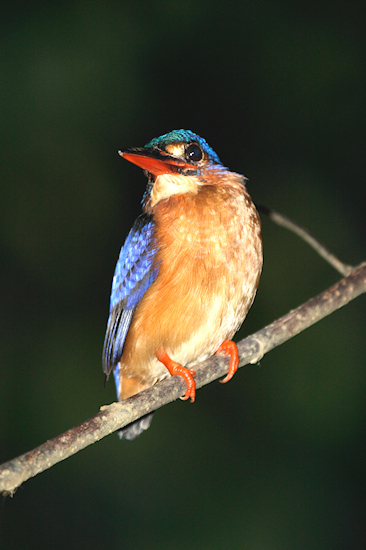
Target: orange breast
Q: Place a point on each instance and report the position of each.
(210, 257)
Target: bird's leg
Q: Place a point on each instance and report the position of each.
(176, 368)
(228, 347)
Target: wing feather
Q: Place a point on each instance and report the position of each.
(135, 271)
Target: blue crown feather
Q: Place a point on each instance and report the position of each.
(182, 136)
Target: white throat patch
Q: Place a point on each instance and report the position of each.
(167, 185)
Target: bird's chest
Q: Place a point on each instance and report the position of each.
(210, 231)
(209, 254)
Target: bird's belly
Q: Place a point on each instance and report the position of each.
(189, 321)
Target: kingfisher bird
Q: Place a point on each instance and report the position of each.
(187, 273)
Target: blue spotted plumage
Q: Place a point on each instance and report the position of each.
(135, 272)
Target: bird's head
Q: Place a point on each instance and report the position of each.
(175, 163)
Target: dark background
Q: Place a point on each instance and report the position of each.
(276, 458)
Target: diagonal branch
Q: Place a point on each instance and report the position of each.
(115, 416)
(303, 233)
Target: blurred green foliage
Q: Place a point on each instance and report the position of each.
(275, 459)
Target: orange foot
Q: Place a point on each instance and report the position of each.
(176, 368)
(228, 347)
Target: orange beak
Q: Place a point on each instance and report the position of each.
(156, 162)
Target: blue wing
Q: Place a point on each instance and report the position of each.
(135, 272)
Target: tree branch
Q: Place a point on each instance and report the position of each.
(115, 416)
(305, 235)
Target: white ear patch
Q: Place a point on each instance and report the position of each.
(167, 185)
(175, 149)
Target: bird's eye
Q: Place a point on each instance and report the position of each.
(194, 152)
